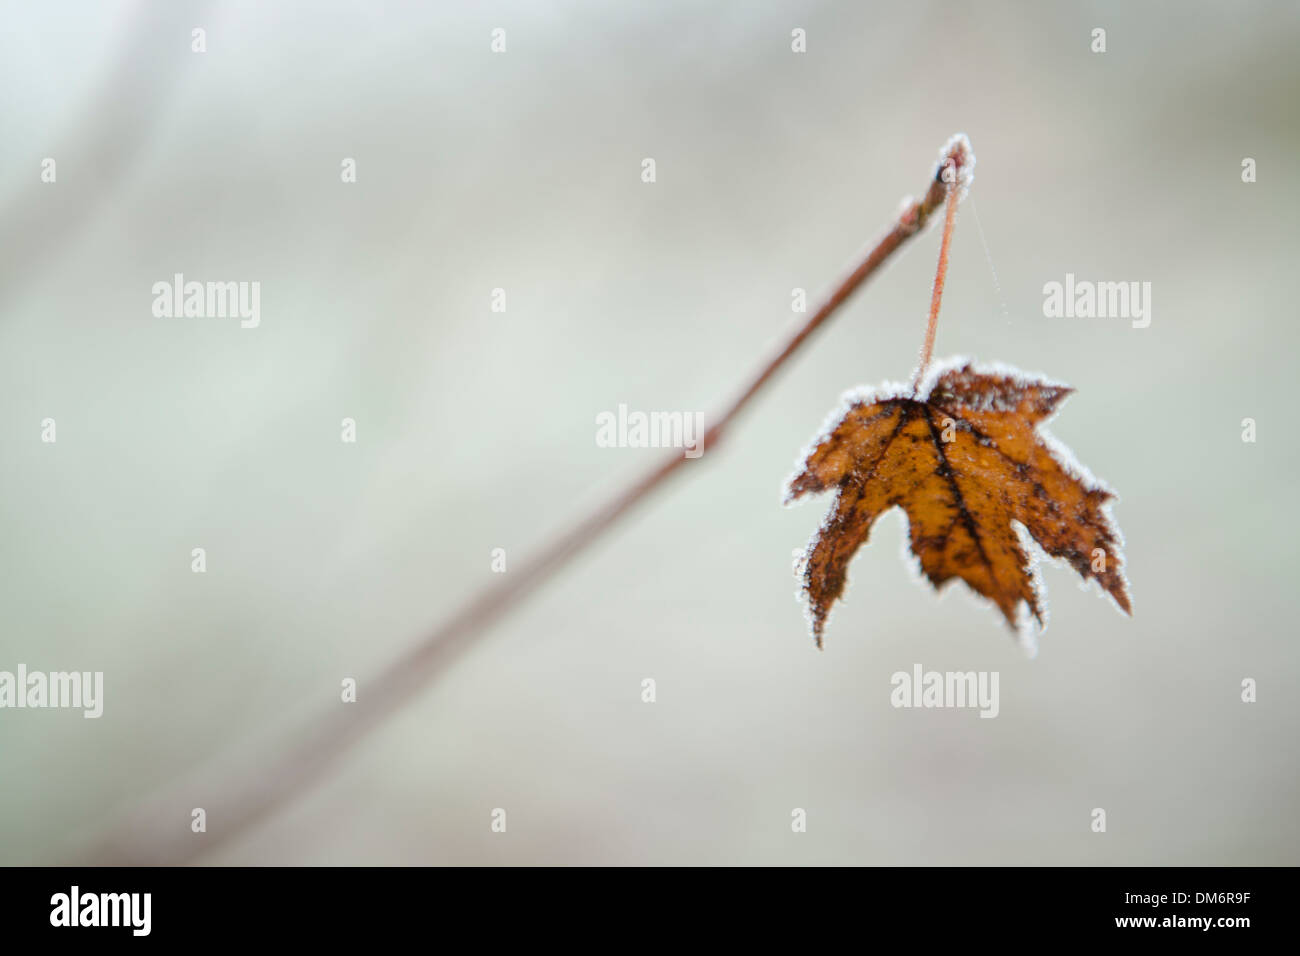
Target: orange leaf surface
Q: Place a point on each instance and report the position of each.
(964, 459)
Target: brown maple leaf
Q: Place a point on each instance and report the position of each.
(962, 456)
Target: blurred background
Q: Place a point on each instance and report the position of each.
(475, 429)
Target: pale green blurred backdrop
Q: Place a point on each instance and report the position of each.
(476, 429)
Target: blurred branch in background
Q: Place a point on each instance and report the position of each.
(107, 136)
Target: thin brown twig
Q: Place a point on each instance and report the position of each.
(950, 173)
(235, 802)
